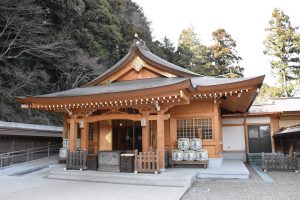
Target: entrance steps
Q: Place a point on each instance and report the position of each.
(164, 179)
(173, 177)
(230, 169)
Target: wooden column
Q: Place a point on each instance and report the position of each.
(84, 140)
(173, 134)
(246, 134)
(96, 137)
(66, 126)
(274, 128)
(161, 140)
(73, 135)
(217, 130)
(146, 135)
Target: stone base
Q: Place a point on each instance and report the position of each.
(235, 155)
(215, 162)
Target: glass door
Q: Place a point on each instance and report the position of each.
(259, 139)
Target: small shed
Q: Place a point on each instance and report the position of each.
(287, 140)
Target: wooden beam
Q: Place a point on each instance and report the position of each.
(134, 117)
(154, 117)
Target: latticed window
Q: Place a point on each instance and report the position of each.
(194, 128)
(91, 131)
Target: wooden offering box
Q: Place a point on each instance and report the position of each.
(109, 161)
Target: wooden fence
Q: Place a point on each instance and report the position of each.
(147, 162)
(282, 162)
(76, 160)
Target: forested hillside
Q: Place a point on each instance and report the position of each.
(53, 45)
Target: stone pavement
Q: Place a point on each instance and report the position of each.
(30, 182)
(34, 186)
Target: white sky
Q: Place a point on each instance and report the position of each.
(244, 20)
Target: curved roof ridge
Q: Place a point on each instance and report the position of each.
(212, 81)
(126, 86)
(139, 46)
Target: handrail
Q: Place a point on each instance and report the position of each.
(14, 157)
(12, 152)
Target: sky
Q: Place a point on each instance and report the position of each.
(245, 20)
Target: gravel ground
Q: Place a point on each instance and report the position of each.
(286, 185)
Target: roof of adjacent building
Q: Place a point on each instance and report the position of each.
(23, 129)
(292, 131)
(283, 104)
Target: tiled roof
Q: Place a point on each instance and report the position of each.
(277, 105)
(124, 86)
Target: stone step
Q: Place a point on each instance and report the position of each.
(153, 180)
(222, 176)
(124, 175)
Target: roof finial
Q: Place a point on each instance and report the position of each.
(136, 36)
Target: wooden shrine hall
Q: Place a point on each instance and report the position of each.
(144, 102)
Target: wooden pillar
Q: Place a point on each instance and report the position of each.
(146, 136)
(173, 134)
(84, 140)
(246, 134)
(161, 140)
(96, 137)
(274, 128)
(217, 130)
(66, 126)
(73, 135)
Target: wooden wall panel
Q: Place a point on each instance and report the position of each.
(199, 109)
(105, 135)
(134, 75)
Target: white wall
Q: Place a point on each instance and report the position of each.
(233, 138)
(233, 121)
(258, 120)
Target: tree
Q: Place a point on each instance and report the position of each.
(224, 56)
(34, 62)
(165, 49)
(192, 54)
(54, 45)
(283, 45)
(266, 93)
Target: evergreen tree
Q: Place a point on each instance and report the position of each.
(224, 55)
(192, 54)
(282, 44)
(165, 49)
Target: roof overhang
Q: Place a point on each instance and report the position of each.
(165, 95)
(293, 131)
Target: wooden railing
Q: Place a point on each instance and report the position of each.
(276, 161)
(147, 162)
(76, 160)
